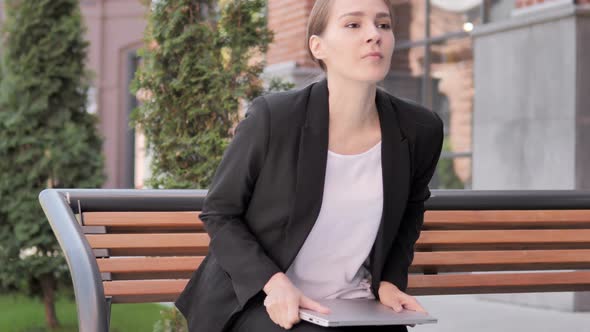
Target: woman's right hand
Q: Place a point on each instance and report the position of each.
(283, 301)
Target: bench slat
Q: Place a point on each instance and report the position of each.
(136, 291)
(441, 261)
(497, 239)
(507, 219)
(149, 264)
(144, 219)
(143, 241)
(168, 290)
(148, 230)
(581, 216)
(498, 283)
(178, 251)
(508, 260)
(149, 275)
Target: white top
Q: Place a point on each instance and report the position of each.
(334, 259)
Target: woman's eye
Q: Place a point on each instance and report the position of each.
(385, 26)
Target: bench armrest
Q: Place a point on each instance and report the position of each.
(90, 301)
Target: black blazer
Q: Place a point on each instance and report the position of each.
(267, 192)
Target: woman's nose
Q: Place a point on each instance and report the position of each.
(374, 35)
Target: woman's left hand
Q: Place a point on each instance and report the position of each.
(397, 300)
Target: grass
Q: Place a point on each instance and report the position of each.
(21, 314)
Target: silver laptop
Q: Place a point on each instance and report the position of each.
(355, 312)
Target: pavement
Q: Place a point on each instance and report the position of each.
(470, 313)
(466, 313)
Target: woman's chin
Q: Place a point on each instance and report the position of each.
(367, 75)
(373, 77)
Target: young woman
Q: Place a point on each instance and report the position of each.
(321, 192)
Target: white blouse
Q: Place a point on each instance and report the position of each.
(334, 259)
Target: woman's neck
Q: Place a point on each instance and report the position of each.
(352, 105)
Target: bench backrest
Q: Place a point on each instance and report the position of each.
(143, 245)
(145, 256)
(149, 256)
(490, 251)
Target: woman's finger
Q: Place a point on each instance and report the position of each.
(310, 304)
(272, 315)
(396, 304)
(284, 317)
(411, 303)
(293, 313)
(276, 315)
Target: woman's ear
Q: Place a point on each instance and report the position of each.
(315, 46)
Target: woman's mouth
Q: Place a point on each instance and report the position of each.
(373, 55)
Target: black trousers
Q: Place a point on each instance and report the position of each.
(254, 318)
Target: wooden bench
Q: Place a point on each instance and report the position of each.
(129, 246)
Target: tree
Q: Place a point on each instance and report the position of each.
(199, 64)
(47, 139)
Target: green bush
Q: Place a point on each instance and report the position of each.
(197, 68)
(448, 179)
(47, 139)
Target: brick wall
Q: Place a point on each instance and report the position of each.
(527, 3)
(288, 20)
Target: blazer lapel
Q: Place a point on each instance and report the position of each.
(395, 165)
(311, 171)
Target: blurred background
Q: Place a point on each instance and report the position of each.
(507, 76)
(502, 74)
(510, 79)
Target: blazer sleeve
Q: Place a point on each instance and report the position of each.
(401, 254)
(236, 249)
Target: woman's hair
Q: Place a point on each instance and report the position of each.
(318, 19)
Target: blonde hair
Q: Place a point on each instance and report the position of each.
(318, 19)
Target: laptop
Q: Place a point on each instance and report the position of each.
(355, 312)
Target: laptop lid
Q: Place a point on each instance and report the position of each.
(356, 312)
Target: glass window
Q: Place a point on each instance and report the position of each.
(433, 65)
(451, 74)
(405, 79)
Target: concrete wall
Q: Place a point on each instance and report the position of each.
(532, 114)
(524, 133)
(583, 101)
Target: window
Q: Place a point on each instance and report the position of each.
(433, 65)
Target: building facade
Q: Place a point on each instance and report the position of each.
(115, 31)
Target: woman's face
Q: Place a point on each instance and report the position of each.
(358, 40)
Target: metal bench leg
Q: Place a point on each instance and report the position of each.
(108, 301)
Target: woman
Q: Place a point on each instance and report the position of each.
(321, 192)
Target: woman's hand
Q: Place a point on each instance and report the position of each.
(284, 299)
(394, 298)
